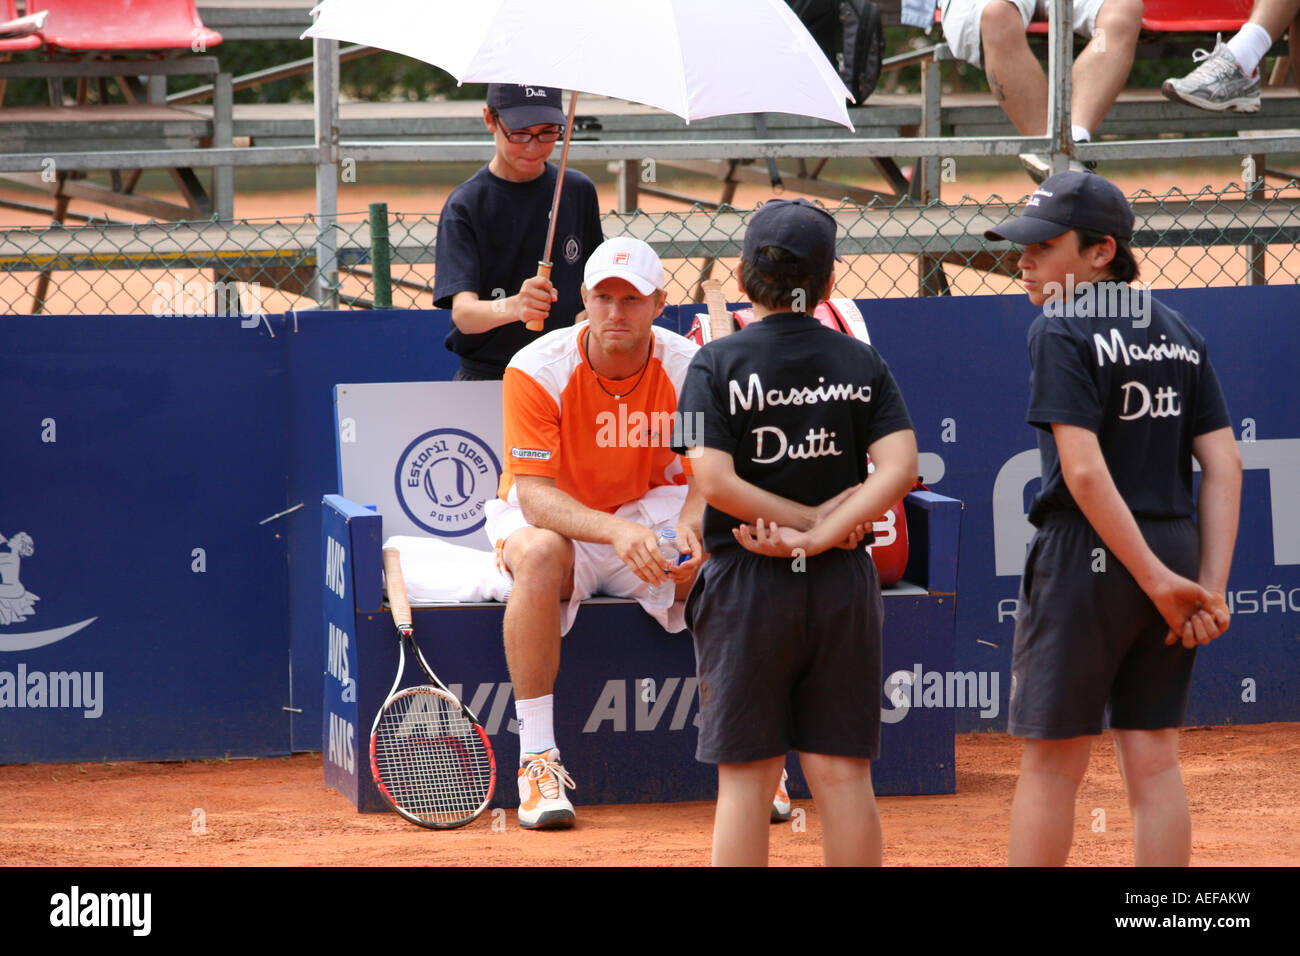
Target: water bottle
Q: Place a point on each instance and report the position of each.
(662, 595)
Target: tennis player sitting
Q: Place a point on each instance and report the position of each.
(787, 612)
(590, 479)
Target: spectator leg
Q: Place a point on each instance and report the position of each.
(1014, 73)
(1295, 42)
(1101, 70)
(1275, 15)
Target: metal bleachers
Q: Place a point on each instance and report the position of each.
(257, 19)
(137, 45)
(890, 129)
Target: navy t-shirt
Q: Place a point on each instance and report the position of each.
(796, 404)
(1132, 370)
(491, 235)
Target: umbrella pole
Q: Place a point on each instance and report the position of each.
(544, 267)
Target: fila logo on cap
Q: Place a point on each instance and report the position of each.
(621, 258)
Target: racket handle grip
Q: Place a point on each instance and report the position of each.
(396, 585)
(543, 272)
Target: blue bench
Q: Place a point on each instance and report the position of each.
(626, 694)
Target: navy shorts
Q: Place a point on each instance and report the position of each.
(1090, 646)
(787, 659)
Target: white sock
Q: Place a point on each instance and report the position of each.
(1249, 46)
(1080, 134)
(536, 731)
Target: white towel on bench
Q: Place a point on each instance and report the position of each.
(438, 572)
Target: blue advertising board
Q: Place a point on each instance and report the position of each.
(144, 599)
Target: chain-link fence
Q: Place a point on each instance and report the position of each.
(1234, 236)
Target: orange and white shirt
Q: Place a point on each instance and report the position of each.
(561, 423)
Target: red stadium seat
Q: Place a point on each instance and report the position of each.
(1195, 16)
(9, 11)
(83, 26)
(1181, 16)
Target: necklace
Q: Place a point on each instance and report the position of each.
(586, 344)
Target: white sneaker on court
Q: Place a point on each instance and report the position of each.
(542, 803)
(781, 809)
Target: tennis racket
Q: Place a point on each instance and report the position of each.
(430, 757)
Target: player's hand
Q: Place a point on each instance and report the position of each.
(688, 543)
(1194, 614)
(1205, 625)
(855, 538)
(638, 548)
(533, 302)
(1219, 611)
(773, 541)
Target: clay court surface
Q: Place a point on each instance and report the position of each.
(1242, 783)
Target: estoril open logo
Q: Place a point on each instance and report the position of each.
(18, 605)
(443, 480)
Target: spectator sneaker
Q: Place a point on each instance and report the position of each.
(1217, 84)
(542, 804)
(781, 809)
(1039, 166)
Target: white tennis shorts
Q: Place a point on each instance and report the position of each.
(597, 568)
(961, 22)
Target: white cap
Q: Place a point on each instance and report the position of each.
(625, 258)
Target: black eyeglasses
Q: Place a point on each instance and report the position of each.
(521, 138)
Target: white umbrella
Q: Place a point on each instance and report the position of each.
(695, 58)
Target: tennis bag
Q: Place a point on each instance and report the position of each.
(822, 18)
(851, 35)
(890, 549)
(863, 47)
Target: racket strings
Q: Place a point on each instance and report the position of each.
(430, 757)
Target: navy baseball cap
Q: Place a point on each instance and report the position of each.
(1069, 200)
(520, 105)
(805, 231)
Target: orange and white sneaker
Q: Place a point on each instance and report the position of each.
(781, 809)
(542, 804)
